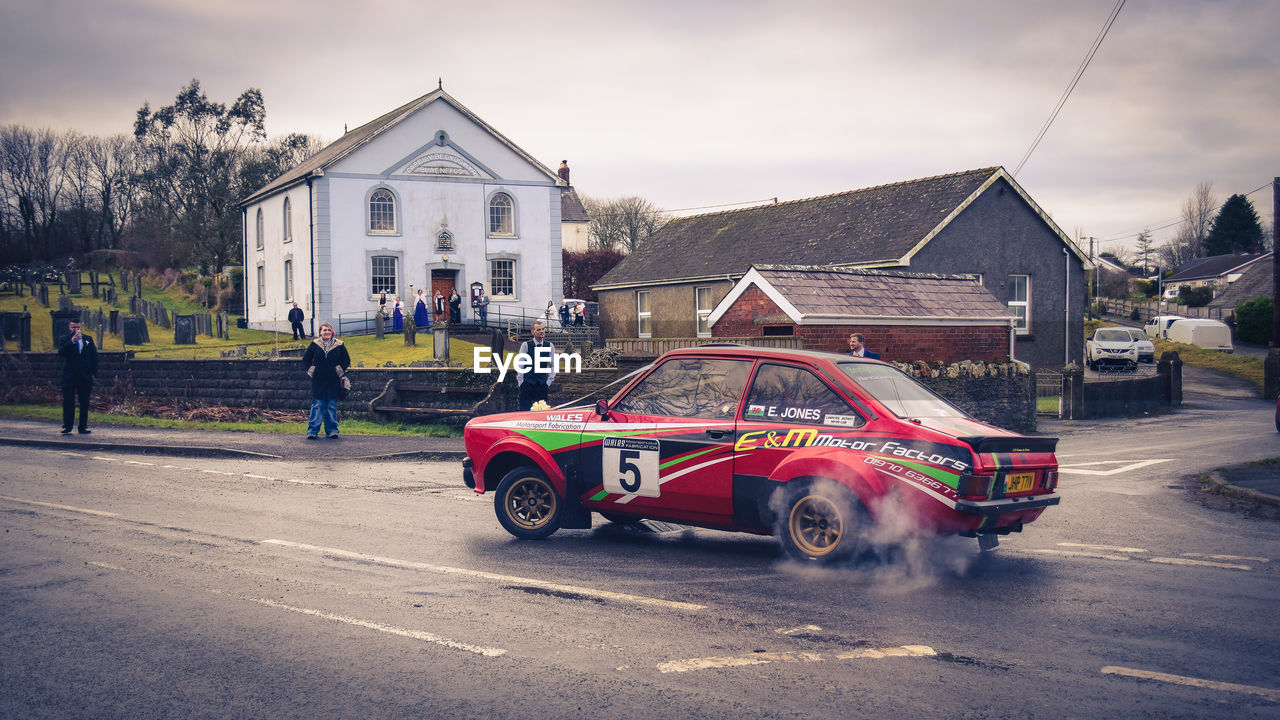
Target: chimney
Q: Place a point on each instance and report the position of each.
(564, 172)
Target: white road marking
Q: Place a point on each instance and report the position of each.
(445, 569)
(1269, 693)
(711, 663)
(138, 462)
(1199, 563)
(390, 629)
(258, 477)
(69, 508)
(798, 630)
(1112, 548)
(1226, 557)
(1117, 556)
(108, 567)
(1129, 467)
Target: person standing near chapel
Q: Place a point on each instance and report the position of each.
(858, 348)
(327, 362)
(455, 307)
(295, 322)
(482, 307)
(80, 357)
(535, 383)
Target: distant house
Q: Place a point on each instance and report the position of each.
(426, 197)
(1216, 271)
(575, 223)
(1253, 282)
(979, 222)
(904, 316)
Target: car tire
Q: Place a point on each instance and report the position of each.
(527, 504)
(821, 522)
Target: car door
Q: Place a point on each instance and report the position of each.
(666, 449)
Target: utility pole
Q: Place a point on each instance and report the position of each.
(1271, 371)
(1093, 278)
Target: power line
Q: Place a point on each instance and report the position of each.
(773, 200)
(1179, 221)
(1097, 43)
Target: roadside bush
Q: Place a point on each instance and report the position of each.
(1195, 297)
(1134, 315)
(1146, 287)
(1254, 321)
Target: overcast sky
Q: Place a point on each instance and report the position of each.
(693, 104)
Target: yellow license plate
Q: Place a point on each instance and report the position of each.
(1019, 482)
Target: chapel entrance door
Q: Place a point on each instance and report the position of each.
(444, 281)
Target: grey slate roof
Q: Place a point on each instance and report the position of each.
(571, 207)
(352, 140)
(1210, 267)
(835, 293)
(1255, 281)
(874, 225)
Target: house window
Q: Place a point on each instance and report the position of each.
(501, 215)
(502, 278)
(1020, 302)
(259, 228)
(382, 211)
(702, 306)
(288, 221)
(644, 317)
(288, 280)
(444, 242)
(262, 285)
(383, 273)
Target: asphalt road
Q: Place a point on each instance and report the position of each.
(135, 586)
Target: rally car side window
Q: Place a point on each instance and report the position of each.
(689, 387)
(787, 394)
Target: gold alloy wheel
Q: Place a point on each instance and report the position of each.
(531, 503)
(816, 525)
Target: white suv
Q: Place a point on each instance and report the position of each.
(1111, 346)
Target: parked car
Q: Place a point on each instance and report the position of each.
(1112, 347)
(1208, 334)
(817, 448)
(1157, 326)
(1146, 348)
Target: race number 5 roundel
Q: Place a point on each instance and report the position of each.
(630, 466)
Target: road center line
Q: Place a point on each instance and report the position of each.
(390, 629)
(69, 508)
(1227, 557)
(1268, 693)
(764, 658)
(445, 569)
(1112, 548)
(1198, 563)
(1079, 469)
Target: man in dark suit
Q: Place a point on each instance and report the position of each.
(535, 383)
(858, 348)
(295, 322)
(80, 358)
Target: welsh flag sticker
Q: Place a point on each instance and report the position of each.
(755, 410)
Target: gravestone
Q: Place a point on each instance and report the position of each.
(184, 329)
(135, 331)
(440, 342)
(73, 283)
(114, 321)
(379, 325)
(61, 321)
(137, 285)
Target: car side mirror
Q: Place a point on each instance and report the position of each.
(602, 409)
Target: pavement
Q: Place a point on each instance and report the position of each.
(224, 443)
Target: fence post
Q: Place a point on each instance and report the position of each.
(1169, 369)
(1072, 393)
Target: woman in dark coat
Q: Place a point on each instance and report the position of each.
(442, 307)
(455, 307)
(326, 361)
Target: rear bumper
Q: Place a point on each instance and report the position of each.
(1006, 505)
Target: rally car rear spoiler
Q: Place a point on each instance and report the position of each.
(1010, 444)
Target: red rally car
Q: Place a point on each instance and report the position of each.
(818, 448)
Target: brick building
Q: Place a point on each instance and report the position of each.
(905, 316)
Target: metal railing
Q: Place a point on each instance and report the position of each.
(511, 319)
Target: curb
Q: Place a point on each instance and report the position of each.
(178, 450)
(1220, 484)
(423, 455)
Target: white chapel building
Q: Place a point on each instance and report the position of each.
(429, 197)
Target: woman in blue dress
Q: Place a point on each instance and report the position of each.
(420, 316)
(397, 318)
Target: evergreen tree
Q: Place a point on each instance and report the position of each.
(1236, 229)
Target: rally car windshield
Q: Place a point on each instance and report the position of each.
(898, 392)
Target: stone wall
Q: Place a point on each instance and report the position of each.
(1000, 394)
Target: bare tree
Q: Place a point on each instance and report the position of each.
(1144, 250)
(623, 223)
(1197, 219)
(32, 178)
